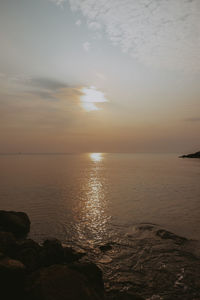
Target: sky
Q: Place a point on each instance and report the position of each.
(99, 76)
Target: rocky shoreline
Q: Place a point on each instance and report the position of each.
(149, 263)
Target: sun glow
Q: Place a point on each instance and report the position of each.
(91, 96)
(96, 157)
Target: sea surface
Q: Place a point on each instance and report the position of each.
(89, 198)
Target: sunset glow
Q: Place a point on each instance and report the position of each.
(96, 157)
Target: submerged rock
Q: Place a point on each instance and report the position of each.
(59, 282)
(144, 262)
(191, 155)
(152, 263)
(16, 222)
(105, 247)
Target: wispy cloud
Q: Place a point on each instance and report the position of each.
(58, 2)
(195, 119)
(86, 46)
(155, 32)
(78, 22)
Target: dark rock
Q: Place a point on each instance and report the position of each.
(8, 244)
(191, 155)
(52, 252)
(59, 282)
(70, 255)
(105, 247)
(124, 296)
(12, 276)
(16, 222)
(28, 252)
(164, 234)
(93, 274)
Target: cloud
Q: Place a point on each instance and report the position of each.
(155, 32)
(45, 88)
(86, 46)
(58, 2)
(195, 119)
(78, 22)
(47, 83)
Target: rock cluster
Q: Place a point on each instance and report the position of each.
(145, 263)
(49, 271)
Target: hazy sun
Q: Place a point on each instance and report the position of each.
(95, 157)
(91, 96)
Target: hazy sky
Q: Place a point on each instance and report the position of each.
(99, 75)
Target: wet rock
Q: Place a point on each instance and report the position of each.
(71, 255)
(59, 282)
(164, 234)
(7, 243)
(191, 155)
(12, 276)
(28, 252)
(16, 222)
(124, 296)
(105, 247)
(52, 252)
(105, 259)
(152, 262)
(94, 275)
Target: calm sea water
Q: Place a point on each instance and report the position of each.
(87, 198)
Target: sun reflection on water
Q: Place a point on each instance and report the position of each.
(96, 156)
(94, 216)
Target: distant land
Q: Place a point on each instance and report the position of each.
(191, 155)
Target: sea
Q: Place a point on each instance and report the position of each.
(88, 198)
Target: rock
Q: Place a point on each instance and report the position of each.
(105, 259)
(28, 252)
(93, 274)
(124, 296)
(12, 276)
(16, 222)
(7, 243)
(59, 282)
(52, 252)
(105, 247)
(191, 155)
(70, 255)
(164, 234)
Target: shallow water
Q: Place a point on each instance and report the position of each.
(87, 198)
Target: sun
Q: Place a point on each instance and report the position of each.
(91, 96)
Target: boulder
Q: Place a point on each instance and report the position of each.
(93, 273)
(59, 282)
(12, 278)
(16, 222)
(8, 243)
(51, 253)
(71, 255)
(28, 252)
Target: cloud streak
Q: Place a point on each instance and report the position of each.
(195, 119)
(159, 33)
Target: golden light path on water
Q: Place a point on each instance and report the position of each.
(94, 205)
